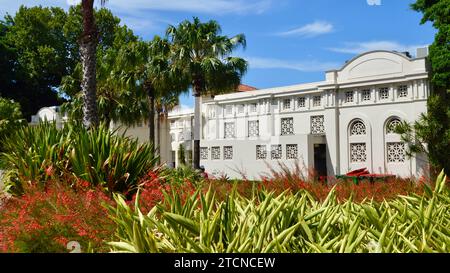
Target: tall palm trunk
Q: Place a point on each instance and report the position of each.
(158, 134)
(151, 117)
(88, 48)
(197, 87)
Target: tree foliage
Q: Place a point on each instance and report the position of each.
(10, 117)
(204, 56)
(433, 128)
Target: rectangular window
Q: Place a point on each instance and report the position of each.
(287, 126)
(317, 124)
(228, 152)
(253, 128)
(215, 153)
(301, 102)
(261, 151)
(403, 91)
(349, 96)
(291, 151)
(253, 107)
(241, 109)
(384, 93)
(358, 152)
(204, 153)
(229, 130)
(317, 101)
(276, 152)
(229, 109)
(286, 104)
(366, 95)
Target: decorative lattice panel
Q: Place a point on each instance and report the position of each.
(349, 96)
(286, 104)
(287, 126)
(317, 100)
(228, 152)
(276, 151)
(229, 130)
(215, 153)
(241, 109)
(253, 128)
(261, 151)
(301, 102)
(317, 125)
(366, 95)
(392, 124)
(204, 153)
(358, 152)
(291, 151)
(396, 152)
(229, 109)
(358, 128)
(403, 91)
(384, 93)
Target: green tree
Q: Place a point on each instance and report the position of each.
(433, 128)
(33, 57)
(148, 70)
(116, 99)
(204, 57)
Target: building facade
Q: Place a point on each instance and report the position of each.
(340, 124)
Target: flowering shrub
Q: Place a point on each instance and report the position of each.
(155, 183)
(46, 218)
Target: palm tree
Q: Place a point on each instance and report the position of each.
(164, 105)
(88, 49)
(204, 56)
(153, 75)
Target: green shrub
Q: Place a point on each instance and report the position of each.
(286, 223)
(36, 153)
(10, 117)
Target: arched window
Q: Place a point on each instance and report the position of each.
(357, 140)
(357, 128)
(391, 125)
(395, 148)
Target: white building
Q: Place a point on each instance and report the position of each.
(333, 126)
(51, 114)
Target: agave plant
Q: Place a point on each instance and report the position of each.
(34, 154)
(286, 223)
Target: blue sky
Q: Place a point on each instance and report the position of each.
(288, 41)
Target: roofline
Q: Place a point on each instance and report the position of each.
(374, 51)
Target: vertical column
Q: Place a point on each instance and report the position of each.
(411, 90)
(374, 94)
(392, 92)
(217, 110)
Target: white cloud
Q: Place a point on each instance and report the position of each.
(374, 2)
(304, 66)
(195, 6)
(73, 2)
(360, 47)
(310, 30)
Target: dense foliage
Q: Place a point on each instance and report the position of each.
(36, 153)
(285, 223)
(10, 117)
(433, 128)
(40, 53)
(47, 217)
